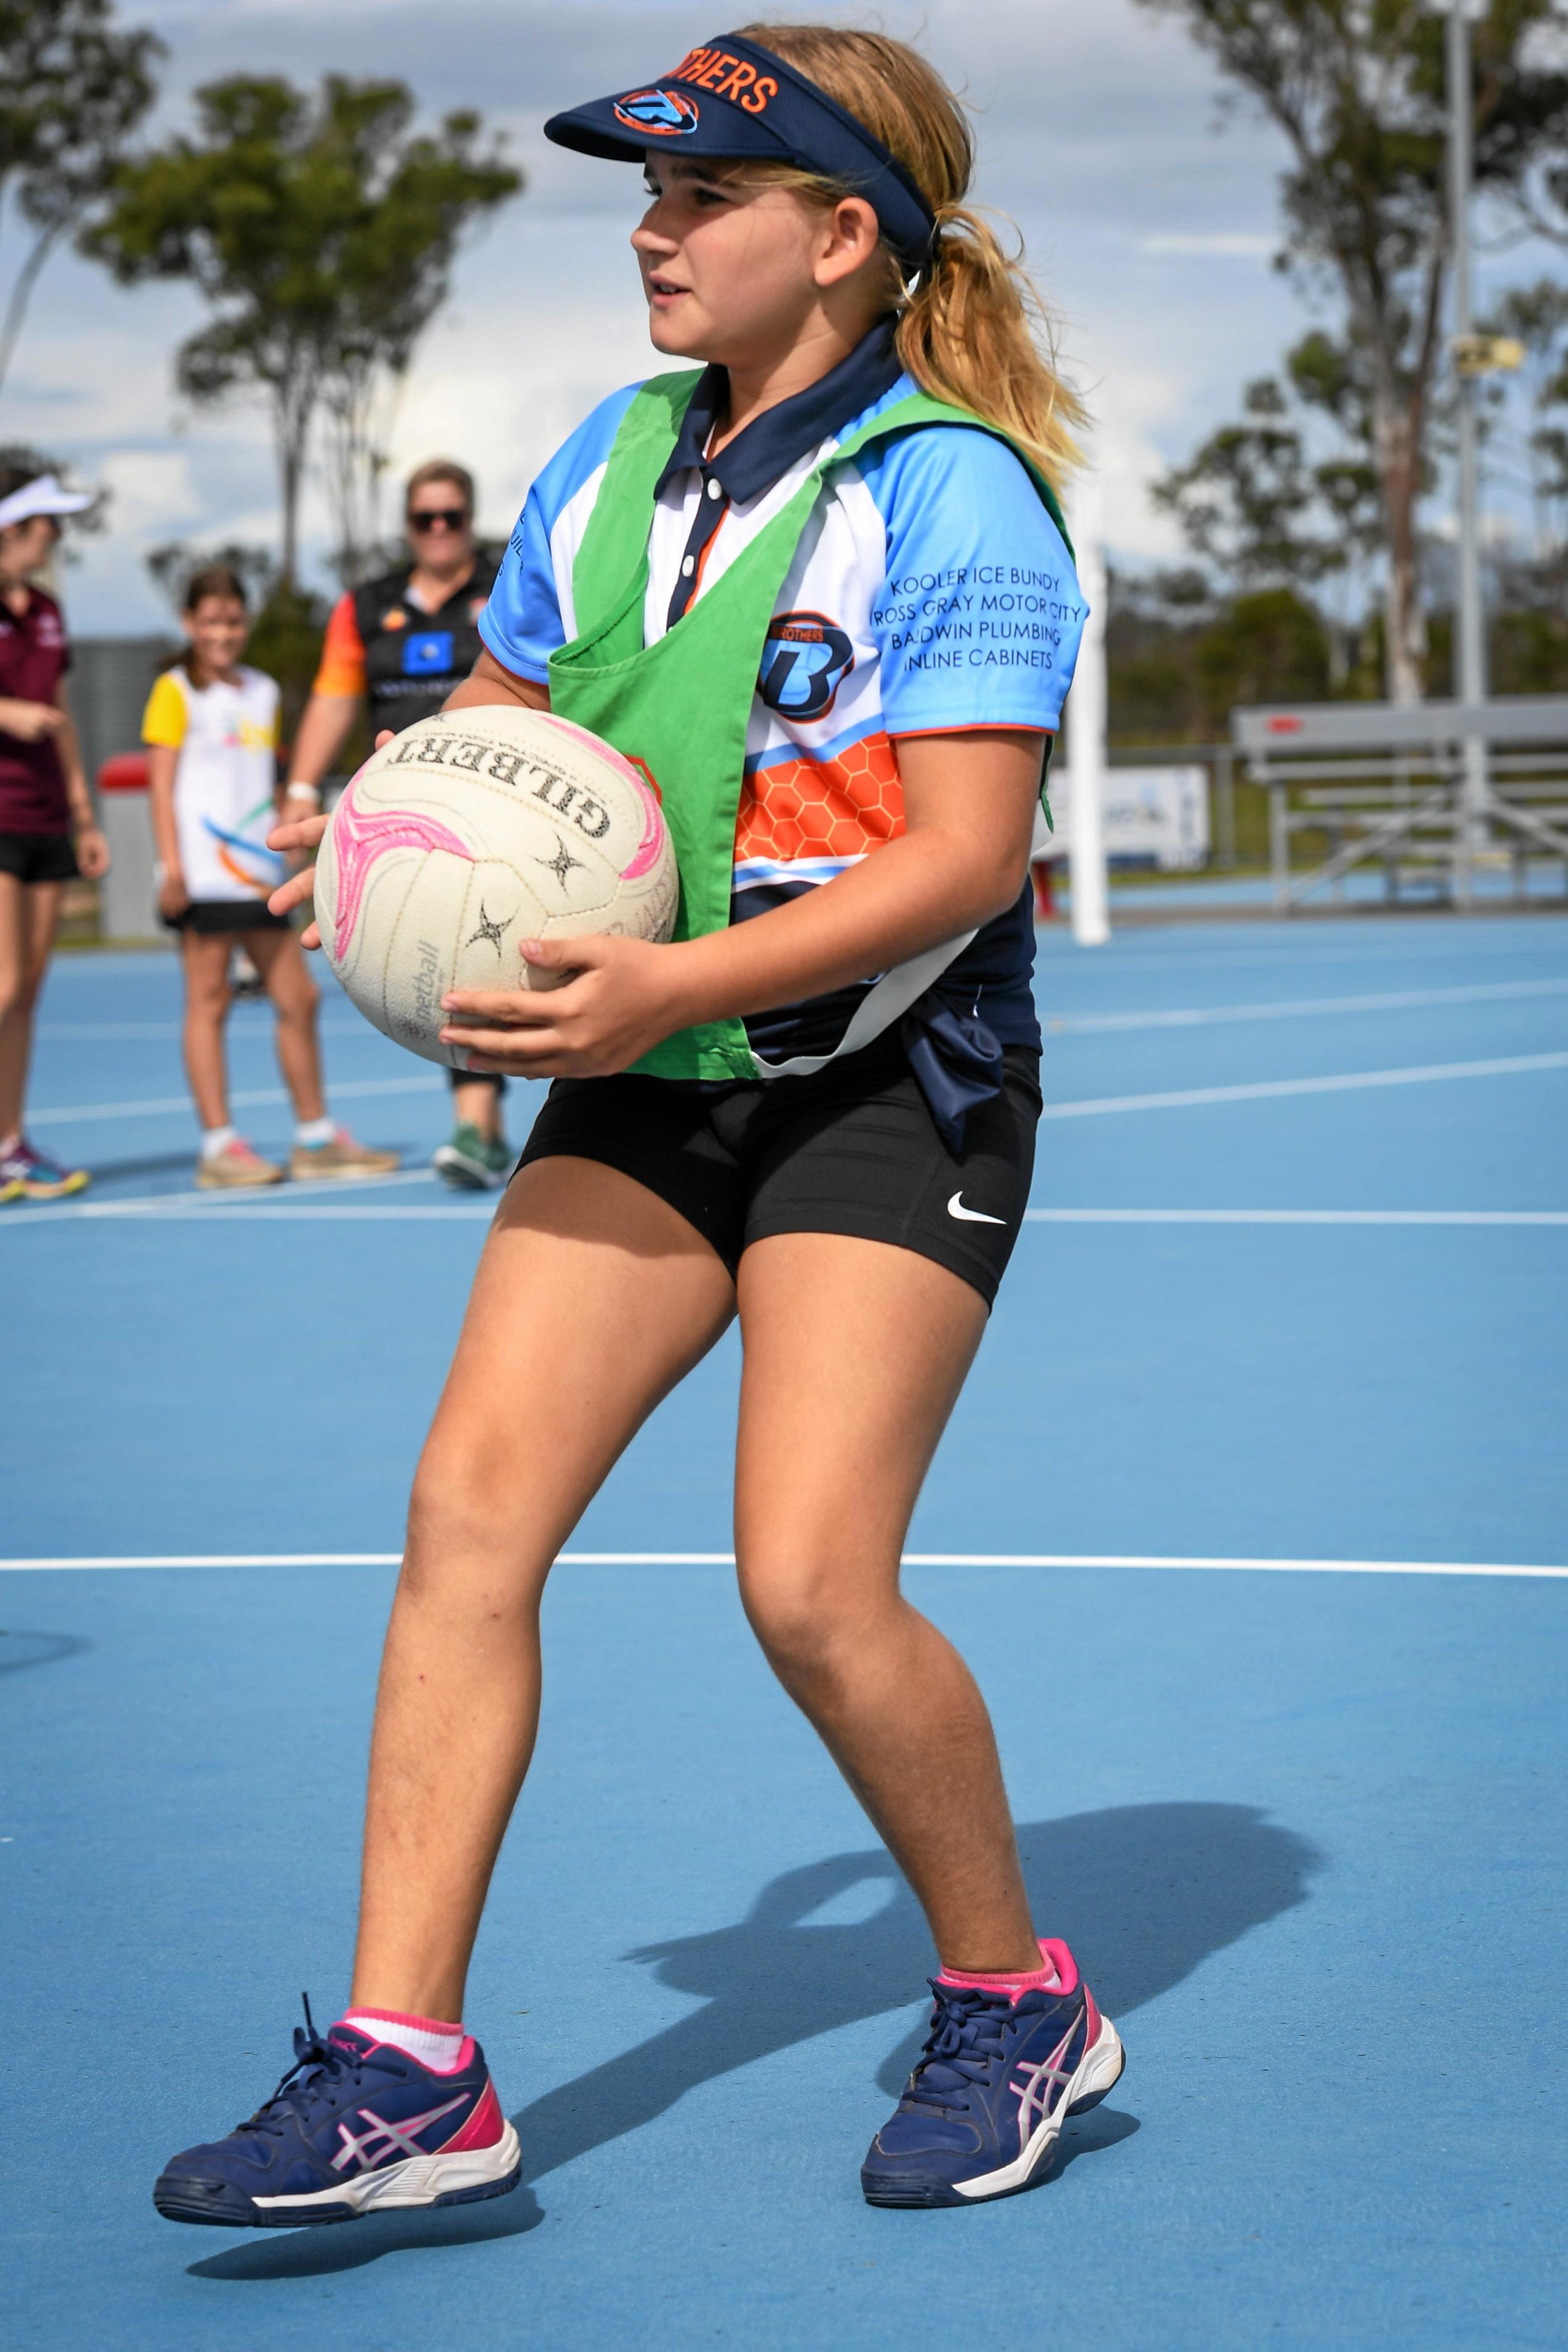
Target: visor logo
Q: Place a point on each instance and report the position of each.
(727, 77)
(658, 114)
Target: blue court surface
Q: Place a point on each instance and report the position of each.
(1243, 1522)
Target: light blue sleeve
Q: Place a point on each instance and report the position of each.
(522, 624)
(978, 622)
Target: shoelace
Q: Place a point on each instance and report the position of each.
(318, 2067)
(964, 2041)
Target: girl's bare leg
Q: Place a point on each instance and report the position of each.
(855, 1353)
(477, 1104)
(280, 960)
(28, 914)
(592, 1300)
(206, 1011)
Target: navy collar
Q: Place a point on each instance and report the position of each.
(777, 439)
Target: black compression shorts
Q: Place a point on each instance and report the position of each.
(207, 917)
(38, 856)
(852, 1151)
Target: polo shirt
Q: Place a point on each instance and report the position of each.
(34, 657)
(931, 594)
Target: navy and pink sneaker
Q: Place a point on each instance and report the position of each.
(356, 2126)
(999, 2075)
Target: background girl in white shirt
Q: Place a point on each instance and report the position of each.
(211, 729)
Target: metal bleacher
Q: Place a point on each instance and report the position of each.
(1433, 792)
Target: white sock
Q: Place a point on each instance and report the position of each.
(311, 1133)
(435, 2043)
(217, 1138)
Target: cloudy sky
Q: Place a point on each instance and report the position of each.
(1150, 225)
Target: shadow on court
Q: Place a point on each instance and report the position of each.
(162, 1163)
(19, 1649)
(1144, 1892)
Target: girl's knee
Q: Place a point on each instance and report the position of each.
(464, 1535)
(300, 1002)
(295, 995)
(801, 1613)
(207, 996)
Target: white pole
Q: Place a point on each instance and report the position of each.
(1085, 726)
(1471, 649)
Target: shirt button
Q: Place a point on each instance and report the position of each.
(688, 567)
(715, 489)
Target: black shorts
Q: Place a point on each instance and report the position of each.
(852, 1151)
(38, 856)
(210, 917)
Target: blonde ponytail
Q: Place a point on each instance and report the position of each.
(972, 329)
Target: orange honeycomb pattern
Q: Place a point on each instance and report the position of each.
(822, 808)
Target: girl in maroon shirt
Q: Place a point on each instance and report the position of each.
(43, 803)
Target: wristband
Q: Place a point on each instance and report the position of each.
(308, 791)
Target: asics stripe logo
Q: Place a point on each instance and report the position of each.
(955, 1207)
(391, 2136)
(1035, 2104)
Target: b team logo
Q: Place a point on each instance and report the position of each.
(805, 659)
(658, 114)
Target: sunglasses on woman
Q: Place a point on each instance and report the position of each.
(439, 518)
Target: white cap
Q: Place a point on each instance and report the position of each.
(43, 495)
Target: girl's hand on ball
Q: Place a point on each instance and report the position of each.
(622, 998)
(300, 832)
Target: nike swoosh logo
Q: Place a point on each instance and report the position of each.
(955, 1207)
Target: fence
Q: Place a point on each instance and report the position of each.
(111, 678)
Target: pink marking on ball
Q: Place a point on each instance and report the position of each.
(646, 854)
(588, 740)
(360, 839)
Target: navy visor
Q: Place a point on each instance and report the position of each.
(734, 99)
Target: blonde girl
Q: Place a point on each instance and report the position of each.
(818, 586)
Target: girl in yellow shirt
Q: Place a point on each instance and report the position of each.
(211, 730)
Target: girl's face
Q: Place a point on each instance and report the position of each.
(217, 629)
(737, 271)
(25, 546)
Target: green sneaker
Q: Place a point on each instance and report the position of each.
(473, 1161)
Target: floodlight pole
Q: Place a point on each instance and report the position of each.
(1471, 648)
(1086, 734)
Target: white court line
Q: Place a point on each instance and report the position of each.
(1296, 1216)
(223, 1206)
(183, 1211)
(165, 1208)
(1265, 1089)
(1399, 1000)
(1056, 1024)
(164, 1030)
(249, 1099)
(1294, 951)
(727, 1559)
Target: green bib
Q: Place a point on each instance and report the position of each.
(681, 705)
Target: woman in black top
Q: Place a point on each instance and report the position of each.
(397, 646)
